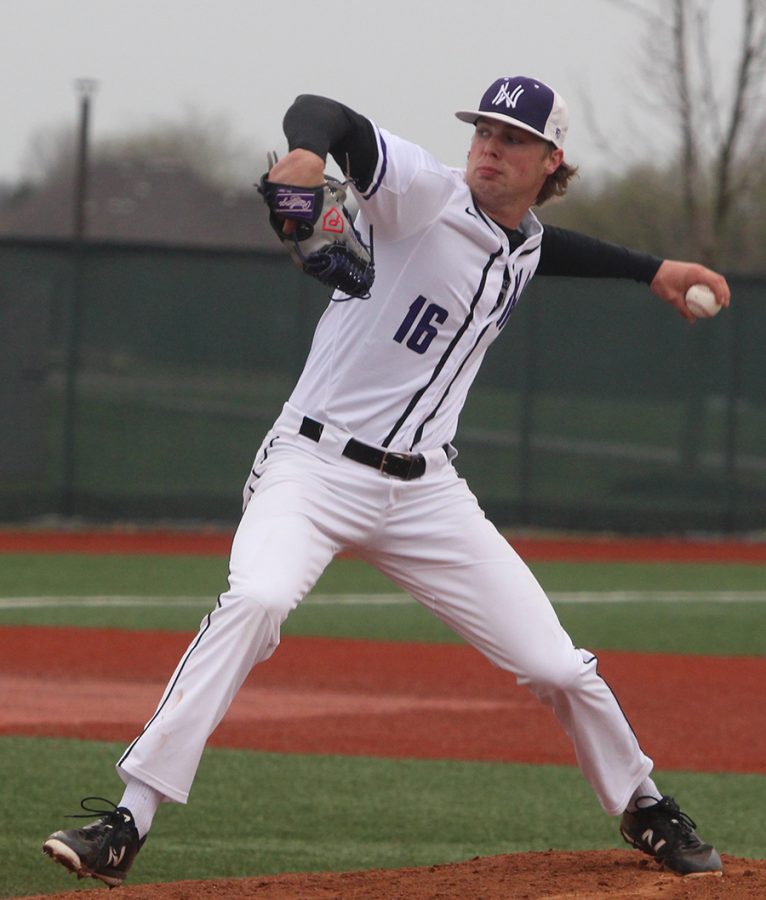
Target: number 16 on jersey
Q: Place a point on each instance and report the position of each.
(422, 332)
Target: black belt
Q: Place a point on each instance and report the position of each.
(400, 465)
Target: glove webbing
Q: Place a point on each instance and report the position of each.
(335, 268)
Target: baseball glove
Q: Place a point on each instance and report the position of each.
(325, 244)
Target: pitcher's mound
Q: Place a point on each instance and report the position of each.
(553, 875)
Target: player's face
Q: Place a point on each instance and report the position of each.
(506, 168)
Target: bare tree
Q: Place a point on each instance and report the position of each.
(201, 142)
(51, 152)
(718, 112)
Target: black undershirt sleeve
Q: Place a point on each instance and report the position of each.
(565, 252)
(327, 127)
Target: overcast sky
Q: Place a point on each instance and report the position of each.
(407, 64)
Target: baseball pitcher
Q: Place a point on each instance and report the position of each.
(361, 458)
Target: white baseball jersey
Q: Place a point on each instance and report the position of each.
(394, 370)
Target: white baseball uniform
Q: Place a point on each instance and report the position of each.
(390, 374)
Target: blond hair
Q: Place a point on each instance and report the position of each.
(556, 184)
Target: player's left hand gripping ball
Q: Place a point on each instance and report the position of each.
(324, 244)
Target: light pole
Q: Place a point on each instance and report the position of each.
(85, 88)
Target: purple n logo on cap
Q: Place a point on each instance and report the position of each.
(511, 98)
(531, 101)
(526, 103)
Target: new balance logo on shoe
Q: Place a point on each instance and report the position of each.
(648, 837)
(114, 859)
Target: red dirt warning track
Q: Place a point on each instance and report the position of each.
(427, 701)
(218, 543)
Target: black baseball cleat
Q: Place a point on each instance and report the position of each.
(105, 849)
(668, 835)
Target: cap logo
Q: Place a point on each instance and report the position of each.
(511, 99)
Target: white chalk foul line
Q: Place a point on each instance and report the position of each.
(394, 599)
(129, 600)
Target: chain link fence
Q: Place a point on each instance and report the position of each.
(137, 382)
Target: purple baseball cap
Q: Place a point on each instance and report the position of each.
(526, 103)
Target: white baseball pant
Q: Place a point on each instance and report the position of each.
(305, 503)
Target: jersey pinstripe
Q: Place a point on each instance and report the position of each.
(394, 370)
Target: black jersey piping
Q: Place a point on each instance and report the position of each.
(493, 226)
(171, 688)
(383, 166)
(609, 688)
(487, 221)
(435, 410)
(518, 289)
(447, 353)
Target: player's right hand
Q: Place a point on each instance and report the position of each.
(675, 277)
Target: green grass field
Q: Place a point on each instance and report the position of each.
(259, 813)
(183, 589)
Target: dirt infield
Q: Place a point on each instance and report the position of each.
(361, 694)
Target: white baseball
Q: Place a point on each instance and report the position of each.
(701, 301)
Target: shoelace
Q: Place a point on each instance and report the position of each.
(91, 811)
(668, 807)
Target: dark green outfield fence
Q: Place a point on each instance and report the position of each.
(137, 383)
